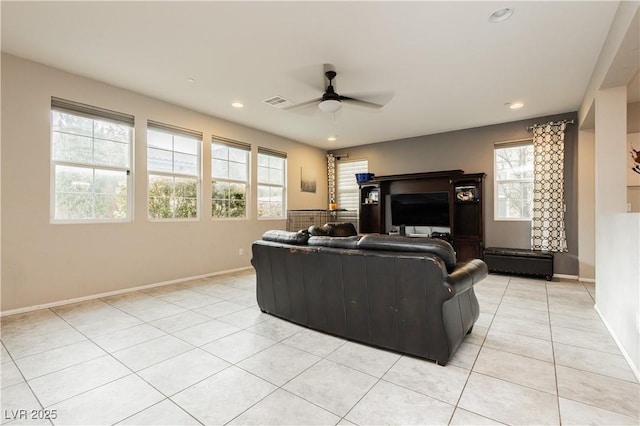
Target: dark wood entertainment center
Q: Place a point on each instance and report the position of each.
(465, 205)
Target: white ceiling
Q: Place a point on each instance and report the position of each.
(445, 64)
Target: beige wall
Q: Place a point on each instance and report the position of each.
(633, 117)
(633, 126)
(633, 199)
(586, 203)
(617, 232)
(44, 263)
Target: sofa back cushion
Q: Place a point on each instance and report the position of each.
(298, 238)
(440, 248)
(318, 231)
(335, 242)
(342, 229)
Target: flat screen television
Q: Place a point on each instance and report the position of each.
(422, 209)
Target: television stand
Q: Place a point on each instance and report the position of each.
(465, 195)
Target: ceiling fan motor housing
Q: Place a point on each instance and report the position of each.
(330, 94)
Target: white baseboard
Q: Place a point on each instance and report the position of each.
(586, 280)
(566, 277)
(634, 368)
(116, 292)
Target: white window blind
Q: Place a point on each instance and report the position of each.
(348, 191)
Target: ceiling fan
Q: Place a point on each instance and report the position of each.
(330, 101)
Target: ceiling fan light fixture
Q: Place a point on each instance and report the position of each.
(330, 105)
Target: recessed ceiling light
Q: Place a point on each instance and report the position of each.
(331, 138)
(501, 15)
(514, 105)
(191, 80)
(237, 105)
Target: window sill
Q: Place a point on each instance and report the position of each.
(89, 222)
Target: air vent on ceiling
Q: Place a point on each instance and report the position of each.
(278, 102)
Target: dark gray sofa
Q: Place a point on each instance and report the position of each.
(403, 294)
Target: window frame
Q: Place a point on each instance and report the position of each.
(496, 182)
(283, 156)
(232, 144)
(180, 132)
(95, 114)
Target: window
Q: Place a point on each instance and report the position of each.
(173, 164)
(272, 174)
(348, 191)
(90, 163)
(513, 181)
(229, 178)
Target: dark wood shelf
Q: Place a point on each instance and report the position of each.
(466, 217)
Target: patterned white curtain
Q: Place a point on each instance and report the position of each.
(547, 224)
(331, 177)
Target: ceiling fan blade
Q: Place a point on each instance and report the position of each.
(302, 104)
(360, 103)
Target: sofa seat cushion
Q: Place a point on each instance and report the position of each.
(440, 248)
(335, 242)
(298, 238)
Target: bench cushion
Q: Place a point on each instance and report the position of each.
(518, 252)
(519, 261)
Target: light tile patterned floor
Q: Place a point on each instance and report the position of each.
(201, 352)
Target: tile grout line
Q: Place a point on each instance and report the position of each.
(457, 404)
(277, 386)
(379, 379)
(553, 354)
(25, 381)
(157, 403)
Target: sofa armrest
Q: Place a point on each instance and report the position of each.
(441, 248)
(466, 274)
(287, 237)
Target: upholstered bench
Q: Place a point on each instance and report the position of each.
(519, 261)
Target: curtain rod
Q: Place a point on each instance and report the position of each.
(341, 156)
(530, 128)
